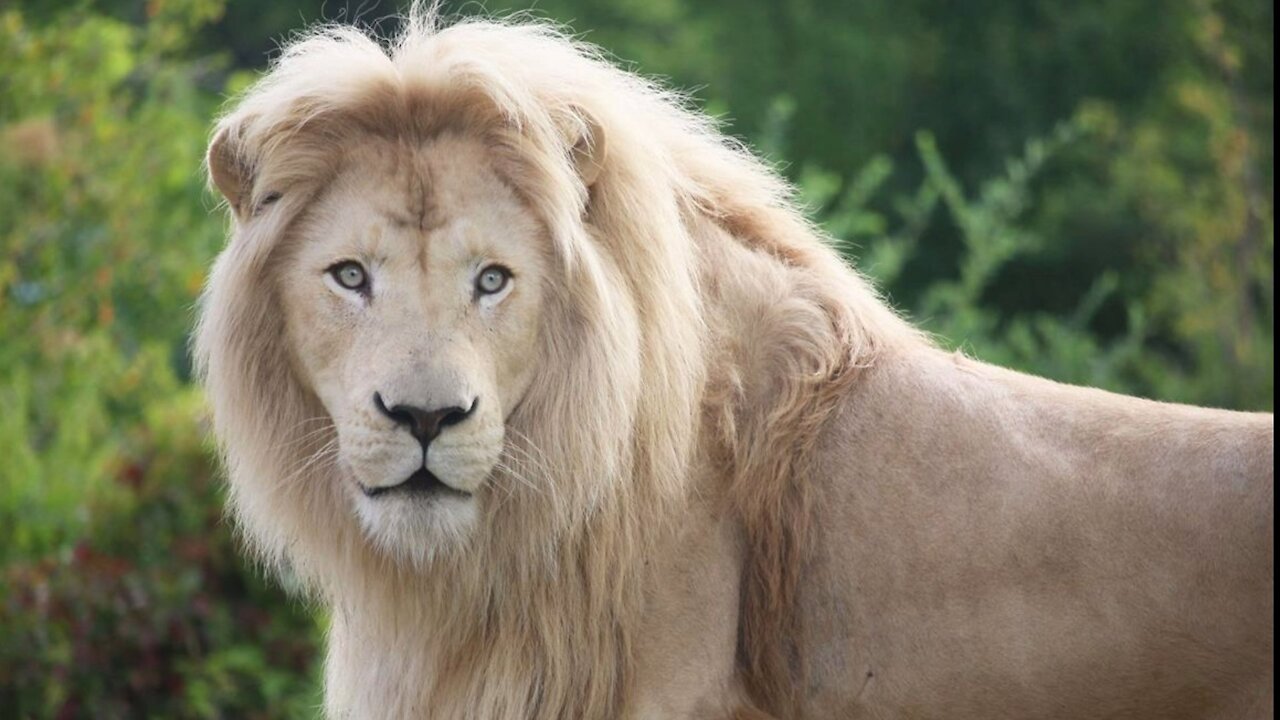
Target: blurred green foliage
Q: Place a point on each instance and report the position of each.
(1081, 191)
(123, 595)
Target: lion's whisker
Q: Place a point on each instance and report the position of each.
(304, 437)
(519, 454)
(327, 451)
(518, 476)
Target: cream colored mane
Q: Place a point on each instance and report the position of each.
(641, 386)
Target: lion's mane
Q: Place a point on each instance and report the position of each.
(635, 384)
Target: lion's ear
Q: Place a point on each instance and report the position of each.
(589, 149)
(228, 169)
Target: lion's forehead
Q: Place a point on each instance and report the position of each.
(443, 194)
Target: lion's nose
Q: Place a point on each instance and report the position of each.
(425, 425)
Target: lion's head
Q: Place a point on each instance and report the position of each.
(437, 325)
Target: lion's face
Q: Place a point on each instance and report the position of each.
(412, 294)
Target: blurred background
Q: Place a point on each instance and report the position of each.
(1080, 190)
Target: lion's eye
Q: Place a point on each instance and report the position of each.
(350, 275)
(492, 279)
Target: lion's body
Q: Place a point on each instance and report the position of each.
(989, 544)
(998, 546)
(729, 480)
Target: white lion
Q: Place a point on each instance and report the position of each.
(552, 397)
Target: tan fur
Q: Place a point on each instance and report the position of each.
(699, 432)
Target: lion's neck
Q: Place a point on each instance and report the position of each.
(783, 301)
(500, 635)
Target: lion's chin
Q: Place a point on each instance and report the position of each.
(417, 527)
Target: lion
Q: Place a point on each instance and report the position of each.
(547, 391)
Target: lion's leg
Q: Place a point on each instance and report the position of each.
(685, 649)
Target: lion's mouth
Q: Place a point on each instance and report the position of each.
(421, 483)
